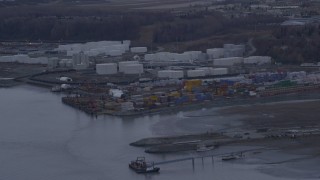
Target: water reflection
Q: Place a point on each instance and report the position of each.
(41, 138)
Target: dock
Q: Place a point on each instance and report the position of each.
(211, 156)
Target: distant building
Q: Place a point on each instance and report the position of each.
(301, 21)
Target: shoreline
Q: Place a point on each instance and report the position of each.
(210, 104)
(282, 155)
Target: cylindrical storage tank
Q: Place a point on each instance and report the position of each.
(193, 55)
(69, 64)
(150, 57)
(94, 52)
(196, 73)
(20, 58)
(106, 68)
(42, 60)
(257, 60)
(6, 59)
(123, 63)
(126, 42)
(120, 47)
(31, 61)
(138, 49)
(126, 47)
(72, 52)
(133, 69)
(219, 71)
(63, 62)
(53, 62)
(228, 46)
(241, 47)
(215, 53)
(115, 53)
(236, 52)
(164, 74)
(251, 60)
(207, 70)
(176, 74)
(163, 56)
(227, 61)
(182, 57)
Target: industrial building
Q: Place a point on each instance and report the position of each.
(25, 59)
(106, 68)
(109, 48)
(80, 61)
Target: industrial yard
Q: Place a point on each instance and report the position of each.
(116, 78)
(87, 86)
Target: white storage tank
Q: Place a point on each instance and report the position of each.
(138, 49)
(228, 46)
(233, 53)
(228, 61)
(115, 53)
(92, 52)
(20, 58)
(69, 64)
(126, 47)
(257, 60)
(126, 42)
(124, 63)
(232, 50)
(207, 70)
(106, 68)
(72, 52)
(119, 47)
(196, 73)
(149, 57)
(219, 71)
(215, 53)
(40, 60)
(172, 74)
(182, 57)
(63, 62)
(6, 59)
(241, 47)
(163, 56)
(133, 69)
(193, 55)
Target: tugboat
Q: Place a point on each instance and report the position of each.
(232, 157)
(203, 148)
(229, 157)
(141, 166)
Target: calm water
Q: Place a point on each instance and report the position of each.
(41, 138)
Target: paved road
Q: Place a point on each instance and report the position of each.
(253, 49)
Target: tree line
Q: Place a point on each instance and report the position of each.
(292, 44)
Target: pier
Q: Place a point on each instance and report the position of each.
(211, 156)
